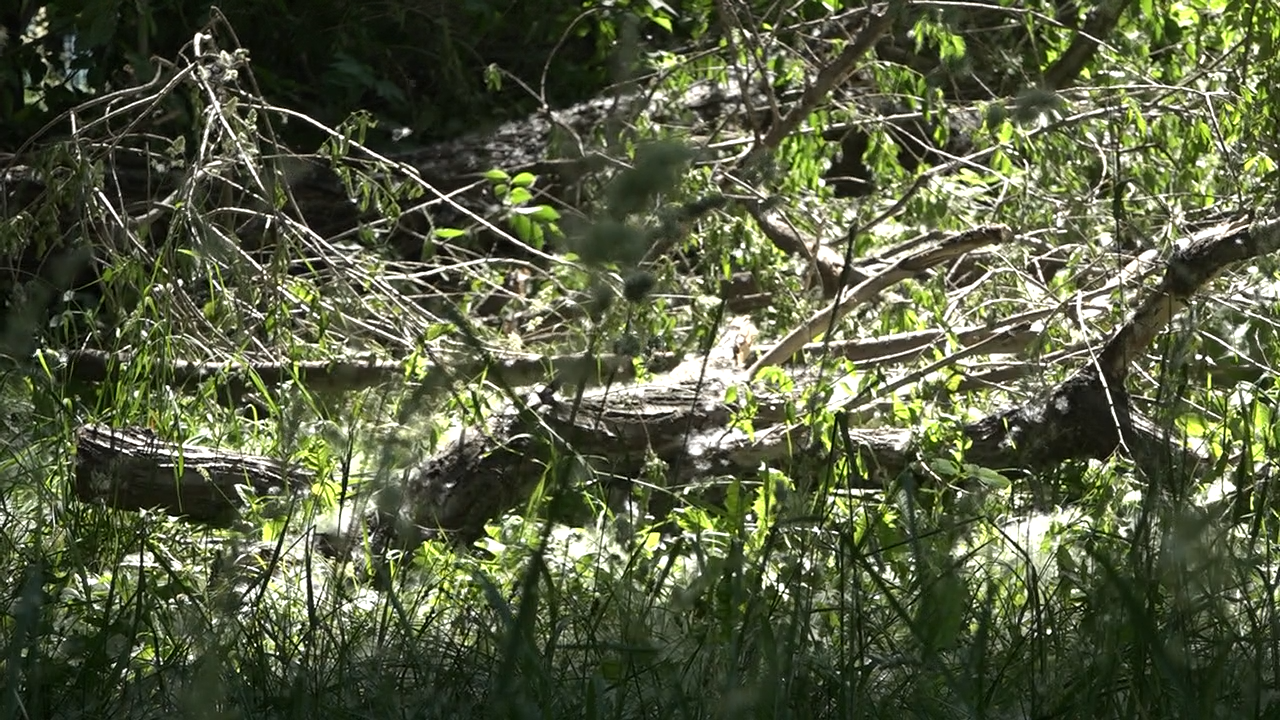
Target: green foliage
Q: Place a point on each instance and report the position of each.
(819, 587)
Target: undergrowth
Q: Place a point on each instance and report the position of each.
(1102, 590)
(913, 603)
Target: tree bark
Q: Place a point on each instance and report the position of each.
(685, 422)
(133, 469)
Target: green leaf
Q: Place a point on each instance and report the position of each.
(538, 238)
(988, 477)
(523, 227)
(519, 196)
(945, 467)
(524, 180)
(1004, 133)
(448, 233)
(541, 213)
(493, 77)
(439, 330)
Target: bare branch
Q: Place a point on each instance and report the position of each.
(1101, 22)
(825, 319)
(830, 77)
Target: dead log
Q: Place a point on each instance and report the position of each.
(133, 469)
(684, 422)
(561, 146)
(239, 375)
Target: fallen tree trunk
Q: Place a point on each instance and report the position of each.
(560, 146)
(239, 375)
(686, 423)
(133, 469)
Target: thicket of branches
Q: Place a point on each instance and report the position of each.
(939, 273)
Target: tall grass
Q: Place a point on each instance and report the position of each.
(910, 603)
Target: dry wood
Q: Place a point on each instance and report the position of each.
(826, 262)
(241, 375)
(133, 469)
(1101, 22)
(831, 76)
(825, 320)
(685, 423)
